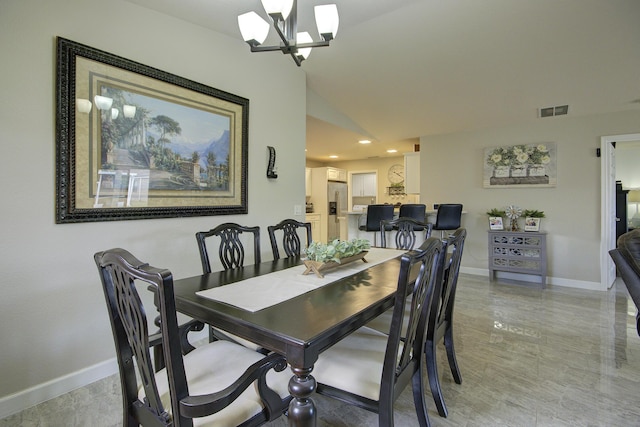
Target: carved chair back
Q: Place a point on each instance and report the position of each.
(406, 232)
(291, 242)
(231, 250)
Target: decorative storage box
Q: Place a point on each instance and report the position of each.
(518, 252)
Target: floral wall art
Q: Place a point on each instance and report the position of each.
(524, 165)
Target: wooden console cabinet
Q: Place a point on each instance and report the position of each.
(518, 252)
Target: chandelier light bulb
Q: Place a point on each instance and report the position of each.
(327, 20)
(253, 28)
(281, 7)
(304, 38)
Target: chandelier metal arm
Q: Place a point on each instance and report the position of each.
(288, 47)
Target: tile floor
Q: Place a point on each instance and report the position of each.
(528, 356)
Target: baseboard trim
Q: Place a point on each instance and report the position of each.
(556, 281)
(27, 398)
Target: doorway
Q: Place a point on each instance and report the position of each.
(608, 205)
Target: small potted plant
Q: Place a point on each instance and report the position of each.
(532, 219)
(495, 219)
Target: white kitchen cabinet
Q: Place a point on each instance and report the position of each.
(307, 182)
(412, 173)
(314, 219)
(335, 174)
(364, 185)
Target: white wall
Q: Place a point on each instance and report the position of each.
(53, 320)
(452, 169)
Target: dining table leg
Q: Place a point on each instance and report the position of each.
(302, 409)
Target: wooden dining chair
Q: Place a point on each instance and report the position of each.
(406, 231)
(231, 252)
(369, 369)
(231, 249)
(219, 383)
(291, 242)
(626, 257)
(440, 323)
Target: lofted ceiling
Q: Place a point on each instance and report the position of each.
(401, 69)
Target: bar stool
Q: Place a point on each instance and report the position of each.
(375, 214)
(448, 218)
(415, 211)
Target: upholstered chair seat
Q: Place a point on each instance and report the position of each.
(215, 366)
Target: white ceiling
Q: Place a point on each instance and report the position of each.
(401, 69)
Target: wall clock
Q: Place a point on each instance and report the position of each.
(396, 174)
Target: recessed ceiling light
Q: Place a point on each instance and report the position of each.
(364, 141)
(392, 151)
(333, 157)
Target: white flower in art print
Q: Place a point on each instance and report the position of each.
(496, 158)
(522, 157)
(545, 160)
(542, 148)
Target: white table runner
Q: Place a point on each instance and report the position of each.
(260, 292)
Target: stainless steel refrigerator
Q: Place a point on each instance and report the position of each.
(337, 200)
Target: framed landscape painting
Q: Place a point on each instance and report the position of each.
(134, 142)
(524, 165)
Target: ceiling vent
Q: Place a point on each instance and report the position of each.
(559, 110)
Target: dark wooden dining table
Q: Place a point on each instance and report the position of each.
(299, 328)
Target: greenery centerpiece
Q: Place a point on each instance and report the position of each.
(324, 256)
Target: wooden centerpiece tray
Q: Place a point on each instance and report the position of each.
(319, 267)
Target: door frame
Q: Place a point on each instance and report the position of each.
(608, 202)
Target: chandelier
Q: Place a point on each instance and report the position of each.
(283, 14)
